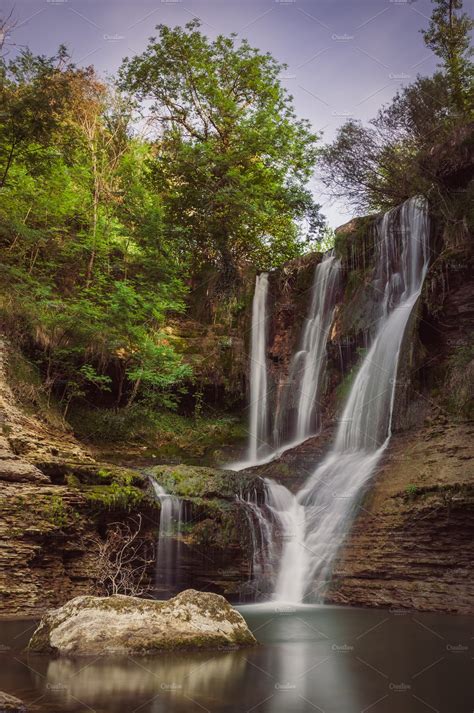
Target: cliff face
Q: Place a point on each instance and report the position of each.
(410, 542)
(55, 504)
(411, 545)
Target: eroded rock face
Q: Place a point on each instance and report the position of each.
(411, 545)
(127, 625)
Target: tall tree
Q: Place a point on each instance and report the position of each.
(86, 275)
(380, 165)
(232, 160)
(449, 36)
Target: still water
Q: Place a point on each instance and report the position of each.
(310, 659)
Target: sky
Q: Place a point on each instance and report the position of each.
(345, 58)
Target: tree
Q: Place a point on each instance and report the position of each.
(378, 166)
(33, 93)
(231, 160)
(449, 36)
(87, 277)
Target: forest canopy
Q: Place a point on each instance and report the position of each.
(107, 215)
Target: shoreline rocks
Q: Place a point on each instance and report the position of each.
(122, 625)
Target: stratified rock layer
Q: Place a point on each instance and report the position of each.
(412, 543)
(128, 625)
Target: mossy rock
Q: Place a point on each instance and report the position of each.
(122, 625)
(189, 481)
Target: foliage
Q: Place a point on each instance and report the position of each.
(231, 159)
(115, 496)
(411, 491)
(165, 431)
(376, 167)
(449, 36)
(88, 279)
(56, 512)
(459, 382)
(103, 231)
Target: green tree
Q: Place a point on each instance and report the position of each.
(87, 277)
(378, 166)
(33, 93)
(398, 154)
(449, 36)
(231, 160)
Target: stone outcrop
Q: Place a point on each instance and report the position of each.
(215, 545)
(412, 542)
(121, 625)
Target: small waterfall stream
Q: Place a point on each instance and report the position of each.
(258, 431)
(172, 515)
(307, 368)
(314, 522)
(297, 411)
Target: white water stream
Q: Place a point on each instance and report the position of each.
(297, 411)
(314, 523)
(307, 368)
(258, 430)
(169, 544)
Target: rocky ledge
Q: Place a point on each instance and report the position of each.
(411, 545)
(121, 625)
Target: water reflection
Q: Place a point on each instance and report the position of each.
(197, 675)
(310, 659)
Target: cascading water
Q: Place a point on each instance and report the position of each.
(259, 449)
(279, 519)
(329, 499)
(169, 543)
(258, 371)
(297, 411)
(262, 535)
(307, 368)
(289, 516)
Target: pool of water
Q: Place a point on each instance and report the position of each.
(310, 659)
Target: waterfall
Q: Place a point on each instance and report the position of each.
(307, 368)
(329, 499)
(262, 537)
(301, 394)
(259, 448)
(289, 516)
(258, 371)
(169, 543)
(279, 519)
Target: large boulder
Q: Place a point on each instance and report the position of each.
(119, 624)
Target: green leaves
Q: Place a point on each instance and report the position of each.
(231, 159)
(102, 232)
(449, 36)
(87, 272)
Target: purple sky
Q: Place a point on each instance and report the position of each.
(345, 57)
